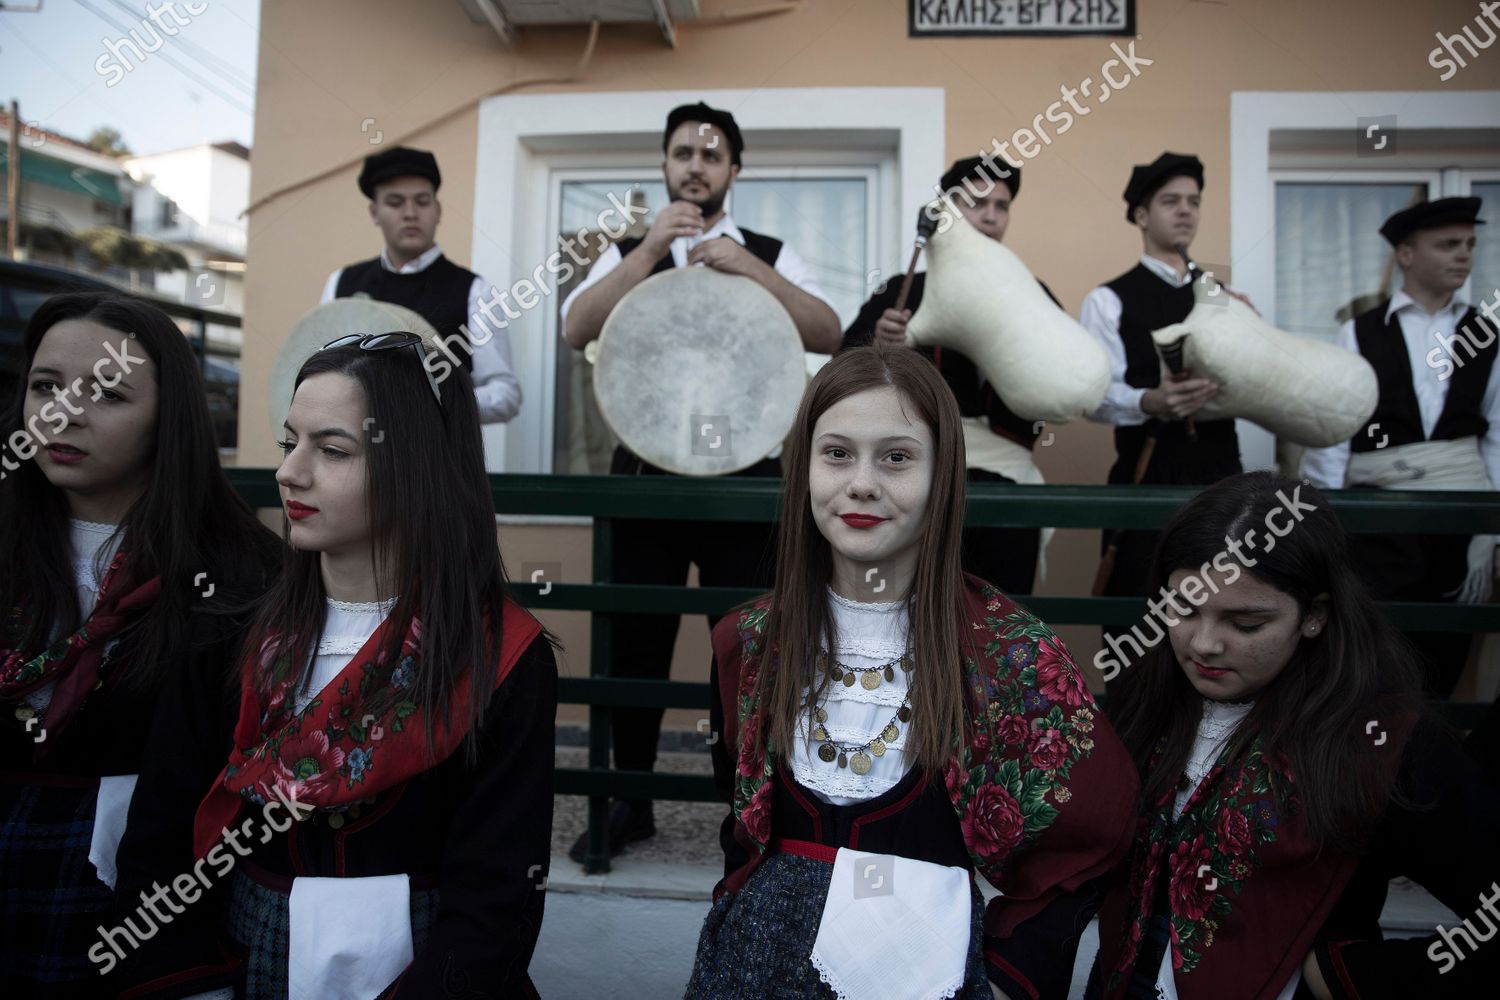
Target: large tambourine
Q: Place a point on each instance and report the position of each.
(330, 321)
(699, 372)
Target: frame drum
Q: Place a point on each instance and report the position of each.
(699, 372)
(330, 321)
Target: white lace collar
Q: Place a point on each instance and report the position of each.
(362, 607)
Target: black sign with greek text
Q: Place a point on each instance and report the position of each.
(1020, 17)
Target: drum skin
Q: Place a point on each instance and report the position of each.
(329, 321)
(699, 372)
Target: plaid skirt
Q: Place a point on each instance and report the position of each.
(257, 920)
(757, 943)
(51, 899)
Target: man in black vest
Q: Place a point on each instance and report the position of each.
(997, 443)
(1162, 200)
(1436, 424)
(411, 271)
(702, 148)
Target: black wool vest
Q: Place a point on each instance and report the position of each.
(439, 294)
(1468, 359)
(1147, 304)
(767, 248)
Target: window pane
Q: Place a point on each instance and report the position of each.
(823, 219)
(1484, 283)
(1331, 261)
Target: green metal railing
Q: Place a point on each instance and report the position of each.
(605, 498)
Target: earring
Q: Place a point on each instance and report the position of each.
(1311, 629)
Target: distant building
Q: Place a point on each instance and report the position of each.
(65, 187)
(192, 198)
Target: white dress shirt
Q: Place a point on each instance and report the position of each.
(347, 626)
(789, 263)
(1326, 467)
(1100, 315)
(496, 388)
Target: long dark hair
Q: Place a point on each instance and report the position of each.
(432, 535)
(800, 611)
(1315, 712)
(188, 520)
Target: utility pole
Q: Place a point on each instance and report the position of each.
(13, 182)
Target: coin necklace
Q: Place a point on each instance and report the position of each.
(870, 677)
(856, 757)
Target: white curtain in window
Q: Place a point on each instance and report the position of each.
(1329, 251)
(824, 219)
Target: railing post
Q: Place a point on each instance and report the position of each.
(601, 635)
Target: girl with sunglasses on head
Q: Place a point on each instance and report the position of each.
(125, 552)
(1289, 773)
(892, 727)
(375, 808)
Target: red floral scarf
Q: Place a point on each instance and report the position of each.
(1247, 888)
(74, 661)
(335, 751)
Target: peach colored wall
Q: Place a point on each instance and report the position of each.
(326, 67)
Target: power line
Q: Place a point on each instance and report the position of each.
(211, 88)
(227, 72)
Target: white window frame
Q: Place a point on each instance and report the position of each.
(1253, 115)
(523, 139)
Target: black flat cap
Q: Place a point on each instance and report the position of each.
(1430, 215)
(700, 112)
(400, 161)
(981, 175)
(1148, 178)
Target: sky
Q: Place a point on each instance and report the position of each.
(197, 86)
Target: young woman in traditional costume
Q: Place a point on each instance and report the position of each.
(394, 698)
(1288, 774)
(937, 731)
(121, 542)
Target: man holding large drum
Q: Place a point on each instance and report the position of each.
(702, 149)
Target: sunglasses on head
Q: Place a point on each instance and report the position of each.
(390, 342)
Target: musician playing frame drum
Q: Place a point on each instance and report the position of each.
(701, 147)
(1436, 425)
(1162, 200)
(998, 442)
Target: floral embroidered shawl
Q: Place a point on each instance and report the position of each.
(339, 748)
(74, 661)
(1246, 888)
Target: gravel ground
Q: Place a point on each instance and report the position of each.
(686, 832)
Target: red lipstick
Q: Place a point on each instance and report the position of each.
(65, 454)
(1212, 673)
(862, 520)
(298, 511)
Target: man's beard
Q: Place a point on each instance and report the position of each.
(709, 203)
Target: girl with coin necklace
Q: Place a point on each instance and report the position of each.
(885, 719)
(389, 749)
(123, 548)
